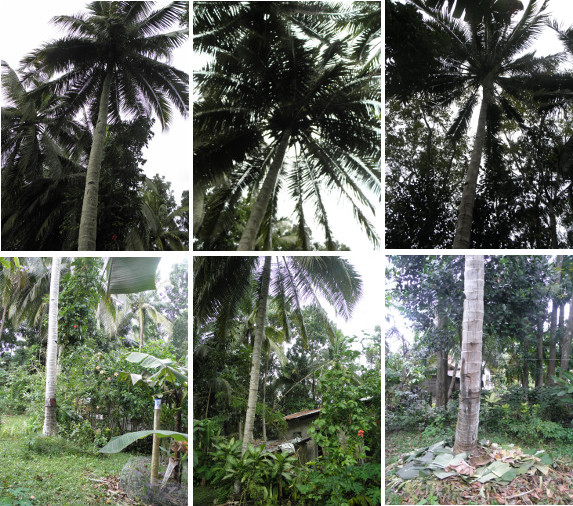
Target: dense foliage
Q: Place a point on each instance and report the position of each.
(305, 363)
(438, 62)
(287, 109)
(57, 139)
(94, 401)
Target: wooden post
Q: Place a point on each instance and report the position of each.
(155, 449)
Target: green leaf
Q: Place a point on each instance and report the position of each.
(131, 275)
(443, 474)
(117, 444)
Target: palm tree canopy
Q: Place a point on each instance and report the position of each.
(487, 50)
(220, 284)
(266, 80)
(124, 39)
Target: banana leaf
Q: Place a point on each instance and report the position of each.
(131, 275)
(118, 443)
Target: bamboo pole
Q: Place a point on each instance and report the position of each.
(155, 448)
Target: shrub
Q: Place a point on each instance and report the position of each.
(352, 485)
(53, 446)
(265, 477)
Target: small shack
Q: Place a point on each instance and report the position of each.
(297, 429)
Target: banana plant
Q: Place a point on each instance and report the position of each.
(171, 380)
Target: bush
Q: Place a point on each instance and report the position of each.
(265, 477)
(353, 485)
(408, 411)
(53, 446)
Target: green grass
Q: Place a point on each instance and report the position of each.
(203, 496)
(50, 472)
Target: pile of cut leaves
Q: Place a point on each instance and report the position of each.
(499, 464)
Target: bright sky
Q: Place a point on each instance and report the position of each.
(369, 310)
(26, 26)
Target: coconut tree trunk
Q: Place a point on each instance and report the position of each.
(256, 362)
(3, 318)
(470, 376)
(553, 325)
(539, 377)
(88, 221)
(466, 209)
(247, 242)
(265, 395)
(552, 342)
(140, 316)
(566, 340)
(50, 423)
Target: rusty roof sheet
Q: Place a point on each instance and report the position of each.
(302, 414)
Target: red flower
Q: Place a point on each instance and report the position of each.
(361, 433)
(75, 326)
(113, 237)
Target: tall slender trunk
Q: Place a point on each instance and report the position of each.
(441, 369)
(88, 222)
(539, 378)
(566, 339)
(50, 423)
(552, 342)
(256, 362)
(453, 381)
(247, 242)
(466, 209)
(442, 380)
(3, 319)
(525, 367)
(265, 395)
(470, 375)
(140, 315)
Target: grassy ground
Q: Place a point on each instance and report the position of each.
(54, 473)
(555, 488)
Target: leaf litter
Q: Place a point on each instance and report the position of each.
(505, 474)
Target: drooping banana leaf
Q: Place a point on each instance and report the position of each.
(118, 443)
(131, 275)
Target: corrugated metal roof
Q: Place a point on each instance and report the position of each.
(302, 414)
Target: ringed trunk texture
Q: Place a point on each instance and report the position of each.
(50, 423)
(466, 209)
(249, 236)
(88, 222)
(256, 362)
(470, 376)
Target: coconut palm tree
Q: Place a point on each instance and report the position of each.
(470, 376)
(40, 163)
(276, 109)
(112, 62)
(486, 56)
(50, 423)
(221, 282)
